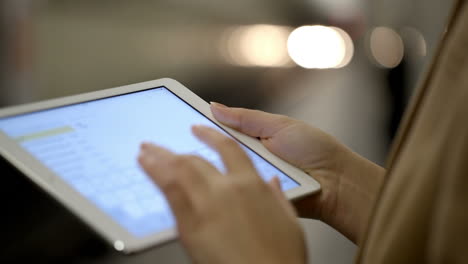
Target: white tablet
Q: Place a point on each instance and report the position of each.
(83, 150)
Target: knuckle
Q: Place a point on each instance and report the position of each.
(172, 185)
(227, 142)
(177, 169)
(285, 121)
(195, 159)
(178, 162)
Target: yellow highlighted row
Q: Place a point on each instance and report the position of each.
(44, 134)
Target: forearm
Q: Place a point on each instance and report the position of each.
(347, 200)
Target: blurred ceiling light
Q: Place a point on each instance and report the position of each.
(349, 52)
(257, 46)
(320, 47)
(386, 47)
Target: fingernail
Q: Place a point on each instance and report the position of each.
(142, 156)
(218, 105)
(146, 155)
(144, 150)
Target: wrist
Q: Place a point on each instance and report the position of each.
(358, 186)
(322, 205)
(349, 187)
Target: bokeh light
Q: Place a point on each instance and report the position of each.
(349, 53)
(320, 47)
(414, 41)
(386, 47)
(257, 46)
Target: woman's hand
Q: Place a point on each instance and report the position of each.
(231, 218)
(349, 182)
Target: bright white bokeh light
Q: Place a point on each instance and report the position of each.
(258, 46)
(264, 45)
(349, 53)
(320, 47)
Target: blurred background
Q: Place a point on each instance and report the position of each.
(345, 66)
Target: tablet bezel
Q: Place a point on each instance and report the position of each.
(103, 224)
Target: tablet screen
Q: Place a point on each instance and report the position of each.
(93, 147)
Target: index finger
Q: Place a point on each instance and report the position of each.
(234, 158)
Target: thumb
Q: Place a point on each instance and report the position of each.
(254, 123)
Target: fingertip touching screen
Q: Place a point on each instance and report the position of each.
(93, 147)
